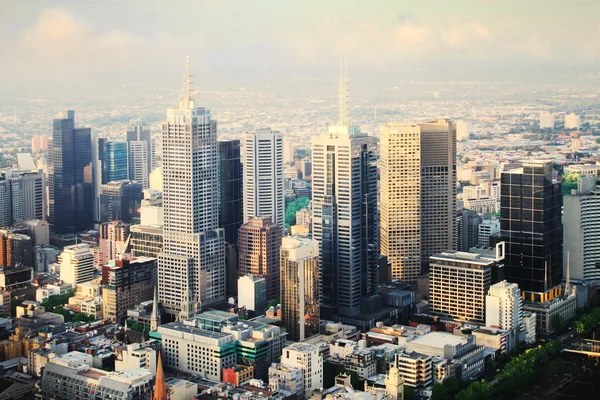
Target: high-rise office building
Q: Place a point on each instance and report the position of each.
(263, 176)
(16, 250)
(417, 194)
(581, 224)
(113, 237)
(141, 152)
(76, 264)
(503, 306)
(230, 189)
(289, 151)
(459, 283)
(21, 196)
(114, 162)
(344, 206)
(39, 144)
(120, 201)
(191, 270)
(252, 293)
(259, 243)
(70, 179)
(299, 277)
(530, 224)
(470, 230)
(125, 283)
(462, 130)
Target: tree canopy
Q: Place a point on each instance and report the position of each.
(292, 208)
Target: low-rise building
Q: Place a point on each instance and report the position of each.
(71, 376)
(308, 358)
(136, 356)
(238, 374)
(290, 379)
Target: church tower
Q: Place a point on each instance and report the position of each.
(394, 384)
(155, 316)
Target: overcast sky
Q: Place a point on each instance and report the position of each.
(49, 40)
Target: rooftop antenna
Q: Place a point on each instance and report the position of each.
(343, 119)
(187, 97)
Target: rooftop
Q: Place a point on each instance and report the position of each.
(180, 327)
(438, 340)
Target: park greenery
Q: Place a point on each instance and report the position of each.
(588, 321)
(569, 182)
(292, 208)
(50, 303)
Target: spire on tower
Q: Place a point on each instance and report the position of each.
(160, 388)
(568, 279)
(154, 317)
(343, 118)
(188, 93)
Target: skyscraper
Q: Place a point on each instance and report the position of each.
(299, 277)
(113, 160)
(259, 243)
(76, 264)
(70, 180)
(263, 176)
(230, 189)
(191, 270)
(141, 152)
(120, 201)
(21, 196)
(418, 194)
(530, 224)
(345, 214)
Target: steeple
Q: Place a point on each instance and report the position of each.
(160, 389)
(155, 316)
(568, 277)
(188, 96)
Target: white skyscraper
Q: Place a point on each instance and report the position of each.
(503, 306)
(344, 210)
(191, 270)
(263, 176)
(76, 264)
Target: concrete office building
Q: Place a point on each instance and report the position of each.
(113, 237)
(125, 283)
(418, 194)
(191, 269)
(344, 206)
(136, 356)
(581, 224)
(141, 152)
(299, 274)
(146, 241)
(487, 228)
(252, 293)
(259, 242)
(462, 130)
(503, 306)
(469, 227)
(76, 264)
(70, 376)
(189, 349)
(70, 177)
(308, 358)
(263, 176)
(459, 283)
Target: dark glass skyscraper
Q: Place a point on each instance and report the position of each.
(531, 227)
(120, 201)
(230, 191)
(114, 160)
(70, 175)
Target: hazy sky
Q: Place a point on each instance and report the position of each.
(84, 40)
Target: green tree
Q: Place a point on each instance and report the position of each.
(57, 300)
(81, 317)
(558, 323)
(409, 393)
(439, 392)
(451, 386)
(68, 316)
(569, 182)
(292, 208)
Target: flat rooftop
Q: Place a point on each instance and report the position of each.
(438, 340)
(179, 327)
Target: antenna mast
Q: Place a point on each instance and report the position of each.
(343, 119)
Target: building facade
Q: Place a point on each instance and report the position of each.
(70, 178)
(530, 224)
(231, 215)
(120, 201)
(308, 358)
(259, 244)
(459, 283)
(299, 274)
(114, 160)
(141, 152)
(418, 194)
(344, 213)
(263, 176)
(503, 306)
(191, 270)
(76, 264)
(125, 283)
